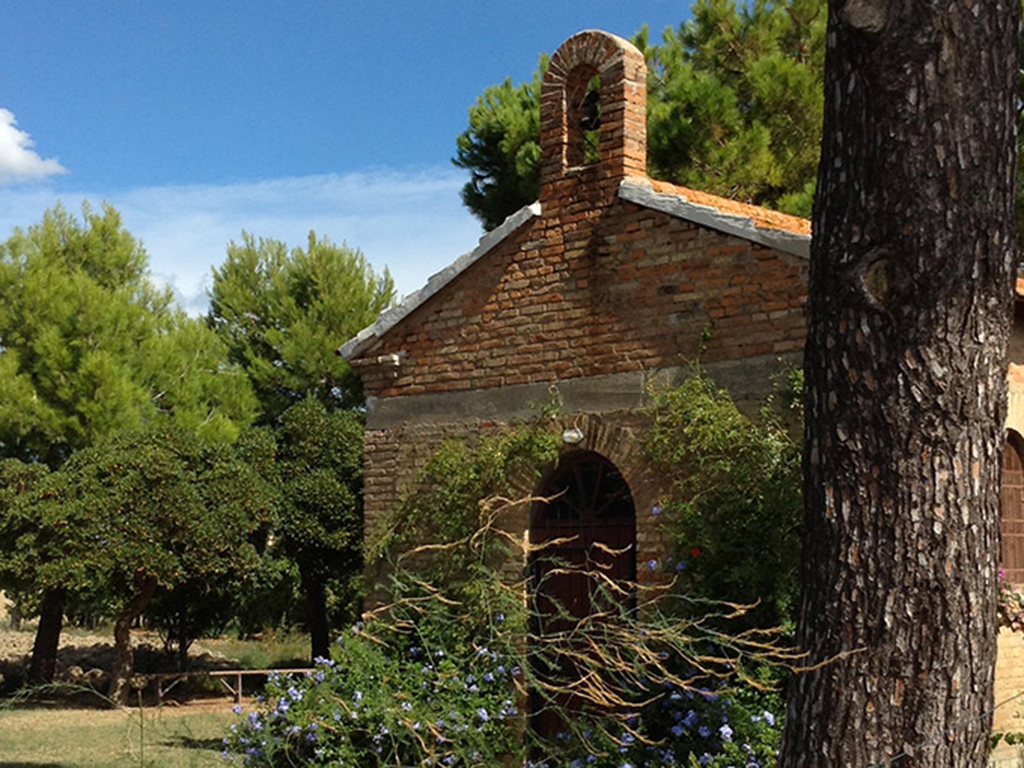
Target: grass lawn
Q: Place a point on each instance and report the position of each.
(270, 653)
(166, 737)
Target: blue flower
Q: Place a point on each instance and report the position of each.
(678, 730)
(681, 565)
(704, 731)
(482, 714)
(237, 709)
(725, 732)
(499, 618)
(652, 564)
(655, 510)
(769, 717)
(357, 696)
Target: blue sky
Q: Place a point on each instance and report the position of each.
(197, 120)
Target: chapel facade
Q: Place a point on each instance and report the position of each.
(610, 284)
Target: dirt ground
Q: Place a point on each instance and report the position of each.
(85, 657)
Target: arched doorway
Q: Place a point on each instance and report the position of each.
(591, 517)
(588, 522)
(1011, 543)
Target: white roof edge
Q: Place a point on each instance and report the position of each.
(389, 318)
(636, 191)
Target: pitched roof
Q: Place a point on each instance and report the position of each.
(749, 222)
(762, 217)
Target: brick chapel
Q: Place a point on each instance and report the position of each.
(605, 285)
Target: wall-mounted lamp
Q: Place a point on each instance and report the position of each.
(572, 436)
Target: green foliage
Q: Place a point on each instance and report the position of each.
(501, 149)
(164, 503)
(734, 107)
(320, 465)
(161, 507)
(453, 504)
(391, 699)
(320, 525)
(271, 600)
(90, 348)
(283, 313)
(735, 510)
(437, 674)
(735, 101)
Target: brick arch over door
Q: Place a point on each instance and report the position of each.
(1011, 547)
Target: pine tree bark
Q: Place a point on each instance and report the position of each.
(913, 265)
(47, 640)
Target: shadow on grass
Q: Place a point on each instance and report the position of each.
(188, 742)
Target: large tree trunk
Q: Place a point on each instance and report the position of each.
(121, 674)
(316, 612)
(47, 642)
(912, 273)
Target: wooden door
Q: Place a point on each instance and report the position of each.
(591, 521)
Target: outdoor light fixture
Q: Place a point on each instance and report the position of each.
(572, 436)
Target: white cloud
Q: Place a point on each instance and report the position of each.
(411, 222)
(17, 160)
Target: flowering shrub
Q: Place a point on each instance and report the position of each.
(1011, 605)
(375, 703)
(681, 728)
(439, 674)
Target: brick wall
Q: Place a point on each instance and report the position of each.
(637, 294)
(594, 286)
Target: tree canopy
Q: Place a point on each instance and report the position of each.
(138, 511)
(320, 465)
(282, 313)
(89, 347)
(734, 108)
